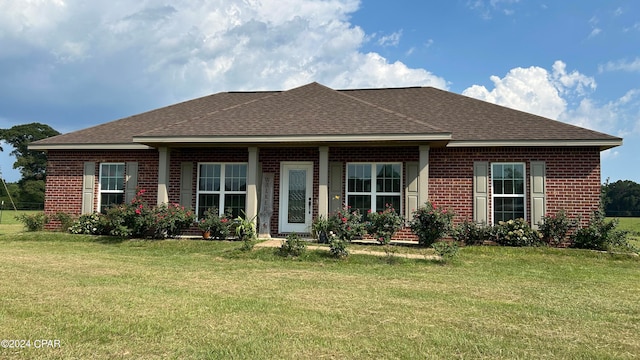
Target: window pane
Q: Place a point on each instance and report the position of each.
(235, 177)
(392, 200)
(208, 201)
(497, 171)
(388, 178)
(112, 177)
(518, 187)
(360, 202)
(359, 177)
(235, 204)
(209, 177)
(508, 187)
(508, 209)
(109, 199)
(497, 187)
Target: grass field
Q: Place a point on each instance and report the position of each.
(106, 299)
(632, 225)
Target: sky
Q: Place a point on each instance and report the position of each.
(72, 64)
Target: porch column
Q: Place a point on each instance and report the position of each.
(323, 182)
(163, 175)
(252, 184)
(423, 178)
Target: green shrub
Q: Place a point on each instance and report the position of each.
(322, 228)
(515, 233)
(601, 234)
(65, 220)
(338, 247)
(554, 228)
(218, 226)
(348, 224)
(136, 220)
(89, 224)
(471, 233)
(34, 222)
(293, 246)
(244, 228)
(382, 225)
(447, 250)
(430, 223)
(172, 220)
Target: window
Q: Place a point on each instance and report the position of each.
(508, 191)
(222, 186)
(111, 185)
(371, 186)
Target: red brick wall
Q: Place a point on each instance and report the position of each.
(572, 177)
(572, 174)
(63, 191)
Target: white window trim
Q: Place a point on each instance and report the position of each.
(222, 192)
(124, 185)
(524, 189)
(373, 193)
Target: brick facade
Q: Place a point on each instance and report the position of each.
(572, 174)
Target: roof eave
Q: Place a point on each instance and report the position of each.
(290, 138)
(72, 146)
(603, 144)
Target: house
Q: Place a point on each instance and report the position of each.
(290, 156)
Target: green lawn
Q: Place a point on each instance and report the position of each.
(106, 299)
(632, 225)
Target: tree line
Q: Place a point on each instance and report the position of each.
(621, 198)
(29, 190)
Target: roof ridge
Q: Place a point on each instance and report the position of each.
(392, 111)
(167, 126)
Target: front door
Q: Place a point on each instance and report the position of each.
(296, 191)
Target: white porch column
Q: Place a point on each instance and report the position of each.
(252, 184)
(163, 175)
(323, 182)
(423, 178)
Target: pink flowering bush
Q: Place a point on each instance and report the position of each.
(383, 224)
(218, 226)
(347, 224)
(137, 220)
(430, 223)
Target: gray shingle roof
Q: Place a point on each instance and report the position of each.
(312, 110)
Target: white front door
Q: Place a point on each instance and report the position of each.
(296, 191)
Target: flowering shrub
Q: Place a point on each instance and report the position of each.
(172, 219)
(430, 223)
(471, 233)
(515, 233)
(348, 224)
(90, 224)
(136, 220)
(382, 225)
(554, 228)
(218, 226)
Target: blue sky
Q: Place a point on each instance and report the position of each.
(73, 64)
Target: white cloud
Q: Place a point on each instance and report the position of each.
(124, 49)
(595, 32)
(621, 65)
(391, 39)
(564, 96)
